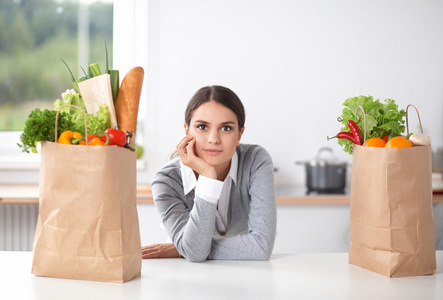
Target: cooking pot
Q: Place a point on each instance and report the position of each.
(325, 175)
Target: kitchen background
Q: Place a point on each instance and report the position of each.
(293, 64)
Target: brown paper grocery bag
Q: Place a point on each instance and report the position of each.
(88, 224)
(391, 218)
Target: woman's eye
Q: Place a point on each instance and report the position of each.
(226, 128)
(201, 127)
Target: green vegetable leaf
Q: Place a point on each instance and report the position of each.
(70, 97)
(100, 122)
(381, 118)
(40, 126)
(97, 123)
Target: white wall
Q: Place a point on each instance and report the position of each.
(293, 63)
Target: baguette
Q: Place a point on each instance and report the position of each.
(128, 99)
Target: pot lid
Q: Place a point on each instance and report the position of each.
(322, 160)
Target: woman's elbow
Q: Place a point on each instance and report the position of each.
(197, 258)
(265, 254)
(266, 246)
(194, 256)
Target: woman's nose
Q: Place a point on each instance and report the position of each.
(213, 137)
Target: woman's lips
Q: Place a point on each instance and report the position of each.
(212, 151)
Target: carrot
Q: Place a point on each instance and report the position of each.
(128, 99)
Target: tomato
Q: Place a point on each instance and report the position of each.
(116, 137)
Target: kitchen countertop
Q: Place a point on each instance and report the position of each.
(29, 194)
(284, 276)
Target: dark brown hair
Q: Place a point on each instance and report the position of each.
(220, 95)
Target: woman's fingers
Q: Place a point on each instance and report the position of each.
(181, 147)
(190, 147)
(186, 151)
(160, 251)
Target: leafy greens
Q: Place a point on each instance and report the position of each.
(97, 123)
(40, 125)
(381, 118)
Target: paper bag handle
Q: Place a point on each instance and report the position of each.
(364, 114)
(419, 121)
(56, 122)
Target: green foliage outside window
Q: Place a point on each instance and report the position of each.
(34, 35)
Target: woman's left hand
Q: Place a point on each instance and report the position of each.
(160, 251)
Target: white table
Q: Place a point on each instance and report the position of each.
(291, 276)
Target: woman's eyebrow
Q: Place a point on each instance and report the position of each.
(201, 121)
(223, 123)
(229, 123)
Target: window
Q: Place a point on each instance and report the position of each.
(34, 35)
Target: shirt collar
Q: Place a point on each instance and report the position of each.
(190, 181)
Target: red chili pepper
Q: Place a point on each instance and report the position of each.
(344, 135)
(116, 137)
(355, 132)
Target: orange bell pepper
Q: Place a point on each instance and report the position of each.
(69, 137)
(95, 140)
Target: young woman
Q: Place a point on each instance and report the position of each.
(216, 199)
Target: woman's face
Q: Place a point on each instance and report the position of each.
(217, 134)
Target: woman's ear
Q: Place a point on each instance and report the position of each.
(241, 133)
(186, 128)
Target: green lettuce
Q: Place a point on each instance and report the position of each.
(381, 118)
(97, 123)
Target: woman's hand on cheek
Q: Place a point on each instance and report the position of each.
(186, 150)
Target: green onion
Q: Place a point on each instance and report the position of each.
(94, 70)
(114, 83)
(115, 80)
(72, 77)
(107, 58)
(75, 83)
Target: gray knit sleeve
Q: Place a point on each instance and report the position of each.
(190, 224)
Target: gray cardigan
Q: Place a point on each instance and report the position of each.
(252, 217)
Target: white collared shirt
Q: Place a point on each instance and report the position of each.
(212, 190)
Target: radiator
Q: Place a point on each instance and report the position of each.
(17, 226)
